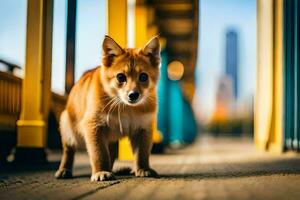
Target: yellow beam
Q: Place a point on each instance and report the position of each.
(263, 100)
(140, 34)
(117, 29)
(275, 142)
(31, 127)
(144, 32)
(117, 21)
(268, 128)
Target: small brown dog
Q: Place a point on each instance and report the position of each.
(109, 102)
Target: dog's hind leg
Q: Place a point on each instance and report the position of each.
(69, 146)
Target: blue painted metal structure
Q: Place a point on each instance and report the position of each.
(291, 74)
(176, 120)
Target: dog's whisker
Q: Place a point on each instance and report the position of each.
(108, 103)
(119, 119)
(110, 109)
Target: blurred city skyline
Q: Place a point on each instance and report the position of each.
(216, 18)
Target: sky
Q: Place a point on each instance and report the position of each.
(90, 31)
(12, 31)
(91, 28)
(216, 17)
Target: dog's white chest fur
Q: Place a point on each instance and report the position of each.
(128, 122)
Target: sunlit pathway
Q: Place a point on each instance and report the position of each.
(212, 168)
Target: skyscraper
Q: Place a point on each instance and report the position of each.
(232, 59)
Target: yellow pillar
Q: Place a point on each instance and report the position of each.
(117, 29)
(117, 21)
(143, 33)
(268, 127)
(140, 35)
(32, 125)
(275, 143)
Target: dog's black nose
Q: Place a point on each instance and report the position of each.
(133, 96)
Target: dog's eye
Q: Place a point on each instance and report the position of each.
(121, 77)
(143, 77)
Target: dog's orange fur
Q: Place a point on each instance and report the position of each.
(98, 110)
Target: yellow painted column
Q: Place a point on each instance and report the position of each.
(32, 125)
(117, 21)
(275, 143)
(263, 100)
(140, 33)
(268, 128)
(117, 29)
(143, 33)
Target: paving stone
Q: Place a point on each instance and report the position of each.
(211, 168)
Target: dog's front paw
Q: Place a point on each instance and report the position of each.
(63, 174)
(102, 176)
(146, 173)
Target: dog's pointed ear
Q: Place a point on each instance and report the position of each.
(152, 49)
(111, 49)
